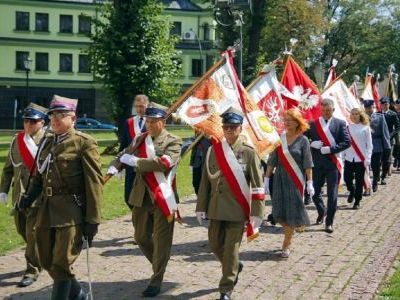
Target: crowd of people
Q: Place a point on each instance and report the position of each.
(58, 184)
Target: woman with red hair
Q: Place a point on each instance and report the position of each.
(293, 164)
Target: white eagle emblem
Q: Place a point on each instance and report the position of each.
(308, 100)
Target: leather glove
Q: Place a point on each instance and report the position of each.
(89, 231)
(310, 188)
(316, 144)
(3, 198)
(200, 215)
(112, 170)
(25, 201)
(326, 150)
(266, 185)
(255, 221)
(130, 160)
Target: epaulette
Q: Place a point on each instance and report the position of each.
(248, 145)
(173, 136)
(84, 135)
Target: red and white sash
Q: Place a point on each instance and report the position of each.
(328, 140)
(133, 126)
(233, 173)
(159, 186)
(354, 145)
(290, 165)
(27, 148)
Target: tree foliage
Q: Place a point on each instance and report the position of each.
(360, 34)
(132, 53)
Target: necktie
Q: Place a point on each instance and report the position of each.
(140, 123)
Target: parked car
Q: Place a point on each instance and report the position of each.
(89, 123)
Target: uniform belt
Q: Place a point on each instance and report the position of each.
(52, 191)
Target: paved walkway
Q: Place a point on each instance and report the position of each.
(348, 264)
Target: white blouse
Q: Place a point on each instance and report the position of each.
(361, 134)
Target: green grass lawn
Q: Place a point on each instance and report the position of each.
(391, 288)
(113, 203)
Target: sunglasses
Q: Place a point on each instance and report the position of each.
(59, 115)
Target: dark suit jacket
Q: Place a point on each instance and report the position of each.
(392, 122)
(339, 132)
(380, 133)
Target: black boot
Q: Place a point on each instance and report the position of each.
(374, 186)
(61, 290)
(350, 198)
(76, 292)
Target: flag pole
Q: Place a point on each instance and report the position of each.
(170, 110)
(336, 79)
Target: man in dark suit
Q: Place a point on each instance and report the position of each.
(380, 140)
(328, 137)
(393, 125)
(134, 126)
(197, 159)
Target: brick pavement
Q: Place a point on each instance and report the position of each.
(348, 264)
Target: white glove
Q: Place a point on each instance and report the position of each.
(130, 160)
(200, 215)
(310, 188)
(316, 144)
(266, 185)
(255, 221)
(367, 163)
(326, 150)
(112, 170)
(3, 198)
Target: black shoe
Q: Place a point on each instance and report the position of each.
(76, 292)
(356, 206)
(395, 164)
(224, 297)
(320, 219)
(270, 219)
(151, 291)
(329, 229)
(61, 289)
(383, 181)
(239, 270)
(26, 281)
(350, 198)
(374, 186)
(307, 200)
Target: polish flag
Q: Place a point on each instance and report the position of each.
(299, 84)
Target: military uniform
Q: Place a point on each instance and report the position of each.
(16, 173)
(153, 232)
(226, 216)
(380, 142)
(71, 182)
(71, 185)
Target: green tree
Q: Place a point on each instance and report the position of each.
(132, 53)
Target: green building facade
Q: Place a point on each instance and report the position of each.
(42, 47)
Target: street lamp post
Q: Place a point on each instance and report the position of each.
(27, 65)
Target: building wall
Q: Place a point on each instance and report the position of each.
(43, 84)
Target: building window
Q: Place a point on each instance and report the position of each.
(22, 20)
(176, 29)
(65, 62)
(42, 61)
(42, 22)
(66, 23)
(84, 24)
(84, 63)
(206, 32)
(21, 56)
(196, 67)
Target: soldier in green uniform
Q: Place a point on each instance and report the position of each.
(17, 168)
(71, 185)
(218, 202)
(153, 196)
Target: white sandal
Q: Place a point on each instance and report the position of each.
(285, 253)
